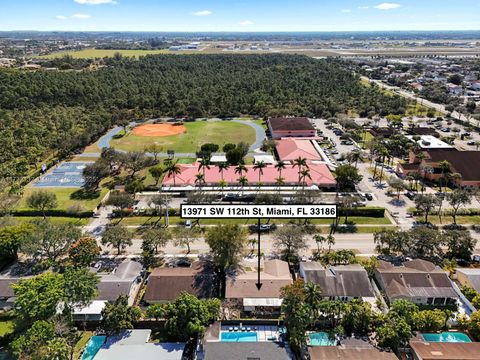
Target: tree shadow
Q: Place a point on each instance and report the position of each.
(83, 194)
(346, 228)
(397, 202)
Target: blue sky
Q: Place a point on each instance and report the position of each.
(239, 15)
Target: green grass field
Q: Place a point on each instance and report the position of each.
(65, 198)
(198, 133)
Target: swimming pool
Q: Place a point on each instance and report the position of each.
(93, 345)
(447, 337)
(321, 339)
(239, 336)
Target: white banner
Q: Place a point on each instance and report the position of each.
(221, 211)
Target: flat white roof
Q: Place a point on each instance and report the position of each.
(94, 308)
(262, 302)
(218, 158)
(267, 159)
(430, 142)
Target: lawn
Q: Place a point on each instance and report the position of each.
(65, 198)
(86, 335)
(198, 133)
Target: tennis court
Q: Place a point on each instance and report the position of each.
(67, 174)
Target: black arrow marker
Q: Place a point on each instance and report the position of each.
(258, 284)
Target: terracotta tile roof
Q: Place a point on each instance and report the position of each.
(418, 278)
(289, 149)
(320, 174)
(166, 284)
(446, 350)
(337, 353)
(342, 280)
(274, 276)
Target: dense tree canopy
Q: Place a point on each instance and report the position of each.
(61, 111)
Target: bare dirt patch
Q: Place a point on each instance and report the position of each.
(159, 130)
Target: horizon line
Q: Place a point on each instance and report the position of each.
(245, 31)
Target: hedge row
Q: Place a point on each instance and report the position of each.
(52, 213)
(374, 212)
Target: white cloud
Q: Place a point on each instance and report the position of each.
(387, 6)
(80, 16)
(364, 7)
(203, 13)
(246, 23)
(95, 2)
(346, 11)
(61, 17)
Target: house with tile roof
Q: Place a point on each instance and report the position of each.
(418, 281)
(166, 284)
(341, 282)
(242, 287)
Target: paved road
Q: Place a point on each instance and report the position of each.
(259, 133)
(409, 95)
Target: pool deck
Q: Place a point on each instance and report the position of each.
(265, 333)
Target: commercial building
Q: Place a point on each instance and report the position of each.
(283, 127)
(320, 176)
(423, 350)
(290, 149)
(460, 162)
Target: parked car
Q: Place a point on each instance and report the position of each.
(471, 143)
(411, 195)
(368, 196)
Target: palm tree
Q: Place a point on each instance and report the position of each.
(426, 169)
(280, 165)
(354, 157)
(173, 169)
(203, 165)
(259, 166)
(200, 179)
(330, 242)
(279, 181)
(313, 298)
(222, 183)
(305, 173)
(300, 163)
(454, 178)
(319, 240)
(222, 167)
(242, 180)
(383, 154)
(445, 168)
(240, 169)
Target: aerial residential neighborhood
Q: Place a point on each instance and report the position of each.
(239, 181)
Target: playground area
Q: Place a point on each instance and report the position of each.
(67, 174)
(159, 130)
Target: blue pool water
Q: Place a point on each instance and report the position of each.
(239, 336)
(93, 345)
(321, 339)
(447, 337)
